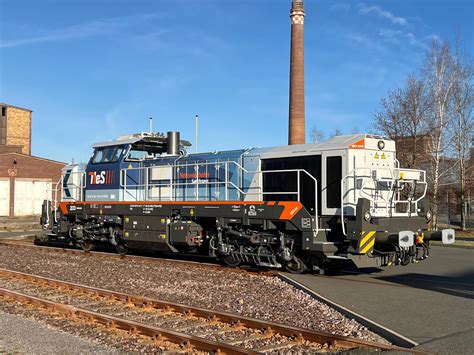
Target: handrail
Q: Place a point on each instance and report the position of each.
(389, 203)
(227, 183)
(74, 187)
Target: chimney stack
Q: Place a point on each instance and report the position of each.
(296, 129)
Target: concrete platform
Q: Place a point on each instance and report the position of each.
(424, 302)
(19, 223)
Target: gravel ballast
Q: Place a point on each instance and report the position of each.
(247, 294)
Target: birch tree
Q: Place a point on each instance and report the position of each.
(462, 127)
(316, 135)
(438, 72)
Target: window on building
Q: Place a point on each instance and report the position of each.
(333, 181)
(4, 111)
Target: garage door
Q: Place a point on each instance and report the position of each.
(4, 197)
(29, 196)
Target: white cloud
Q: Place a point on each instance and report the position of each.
(365, 9)
(83, 30)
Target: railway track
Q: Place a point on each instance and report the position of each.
(344, 277)
(188, 328)
(159, 260)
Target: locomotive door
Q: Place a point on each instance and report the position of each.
(280, 182)
(334, 168)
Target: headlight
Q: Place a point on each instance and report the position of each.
(428, 216)
(381, 145)
(367, 216)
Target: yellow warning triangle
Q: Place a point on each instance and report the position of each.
(376, 155)
(383, 155)
(130, 166)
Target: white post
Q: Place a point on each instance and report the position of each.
(196, 134)
(151, 125)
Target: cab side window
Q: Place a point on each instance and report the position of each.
(333, 181)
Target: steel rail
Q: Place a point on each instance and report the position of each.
(188, 342)
(270, 327)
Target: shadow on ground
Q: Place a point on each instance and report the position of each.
(460, 285)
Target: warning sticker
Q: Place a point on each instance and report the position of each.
(376, 156)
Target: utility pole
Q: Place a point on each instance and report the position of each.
(196, 134)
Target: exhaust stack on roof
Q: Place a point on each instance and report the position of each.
(173, 143)
(296, 128)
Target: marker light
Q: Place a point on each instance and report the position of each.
(367, 216)
(381, 145)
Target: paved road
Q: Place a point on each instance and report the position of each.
(423, 301)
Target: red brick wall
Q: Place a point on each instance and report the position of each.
(30, 167)
(10, 148)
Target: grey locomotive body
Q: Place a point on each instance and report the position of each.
(310, 206)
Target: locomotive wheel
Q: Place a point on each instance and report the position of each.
(231, 261)
(121, 249)
(87, 245)
(295, 266)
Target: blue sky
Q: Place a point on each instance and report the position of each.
(94, 69)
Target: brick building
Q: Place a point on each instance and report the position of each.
(25, 180)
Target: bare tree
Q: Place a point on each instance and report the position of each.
(462, 127)
(388, 120)
(414, 104)
(337, 132)
(430, 118)
(439, 77)
(403, 118)
(316, 135)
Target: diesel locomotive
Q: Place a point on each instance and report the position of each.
(301, 207)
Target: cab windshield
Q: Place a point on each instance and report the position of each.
(107, 155)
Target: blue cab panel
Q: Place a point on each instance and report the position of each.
(114, 173)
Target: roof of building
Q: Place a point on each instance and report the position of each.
(13, 106)
(34, 157)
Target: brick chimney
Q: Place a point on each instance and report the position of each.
(296, 129)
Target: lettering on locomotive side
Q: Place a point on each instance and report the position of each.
(105, 177)
(358, 145)
(194, 175)
(293, 211)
